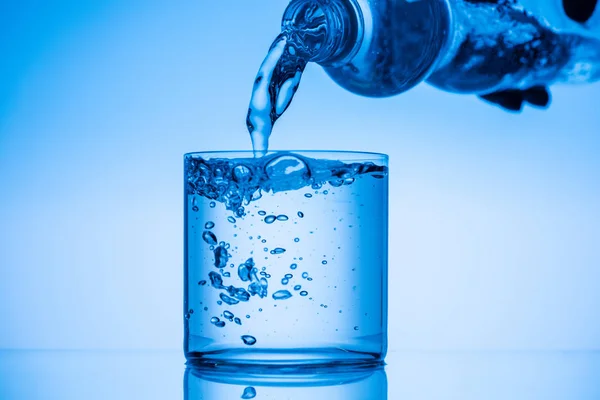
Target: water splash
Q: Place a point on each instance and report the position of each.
(215, 179)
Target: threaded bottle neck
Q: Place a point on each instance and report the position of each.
(322, 31)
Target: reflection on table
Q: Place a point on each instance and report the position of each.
(348, 383)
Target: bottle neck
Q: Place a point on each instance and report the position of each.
(322, 31)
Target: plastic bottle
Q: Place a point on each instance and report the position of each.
(382, 48)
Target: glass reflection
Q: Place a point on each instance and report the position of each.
(223, 382)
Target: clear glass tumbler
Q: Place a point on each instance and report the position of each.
(285, 258)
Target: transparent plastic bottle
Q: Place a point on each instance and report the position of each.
(381, 48)
(505, 51)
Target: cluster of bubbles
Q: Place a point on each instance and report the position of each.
(236, 183)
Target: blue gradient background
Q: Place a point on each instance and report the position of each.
(494, 231)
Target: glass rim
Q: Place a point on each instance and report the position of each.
(349, 153)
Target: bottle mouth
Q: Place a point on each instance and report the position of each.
(322, 31)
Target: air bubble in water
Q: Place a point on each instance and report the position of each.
(282, 217)
(294, 266)
(214, 320)
(307, 195)
(296, 240)
(356, 328)
(228, 314)
(303, 293)
(229, 300)
(285, 281)
(262, 213)
(297, 287)
(239, 293)
(288, 169)
(241, 174)
(300, 214)
(215, 280)
(237, 321)
(324, 262)
(202, 282)
(245, 269)
(281, 295)
(231, 219)
(195, 208)
(248, 340)
(270, 219)
(212, 204)
(209, 225)
(278, 250)
(289, 276)
(305, 275)
(249, 393)
(220, 324)
(221, 256)
(258, 286)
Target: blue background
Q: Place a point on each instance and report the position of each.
(494, 236)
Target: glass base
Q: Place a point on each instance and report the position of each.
(292, 359)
